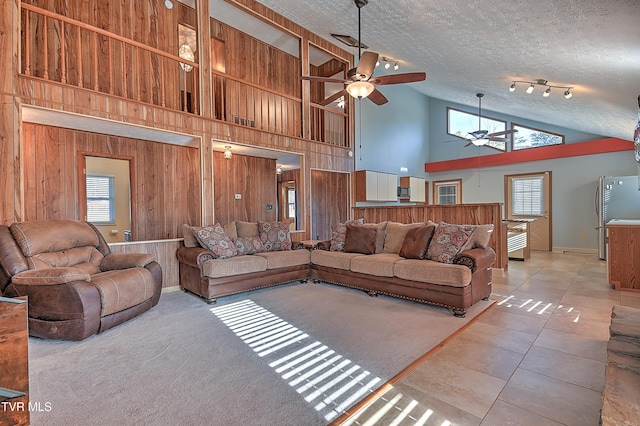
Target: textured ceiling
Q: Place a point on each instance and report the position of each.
(471, 46)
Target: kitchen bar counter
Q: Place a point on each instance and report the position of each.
(623, 265)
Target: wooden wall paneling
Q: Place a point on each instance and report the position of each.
(329, 201)
(165, 253)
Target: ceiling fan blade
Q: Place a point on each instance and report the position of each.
(495, 139)
(505, 132)
(333, 97)
(409, 77)
(367, 64)
(467, 144)
(377, 97)
(322, 79)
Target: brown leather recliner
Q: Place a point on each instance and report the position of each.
(75, 286)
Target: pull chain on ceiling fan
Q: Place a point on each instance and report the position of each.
(360, 82)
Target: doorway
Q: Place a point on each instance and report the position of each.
(528, 196)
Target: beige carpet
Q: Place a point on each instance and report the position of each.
(298, 354)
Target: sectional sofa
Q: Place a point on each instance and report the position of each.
(442, 264)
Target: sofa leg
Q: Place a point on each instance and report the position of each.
(211, 300)
(316, 281)
(372, 293)
(460, 313)
(303, 281)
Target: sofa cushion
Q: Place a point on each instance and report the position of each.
(333, 259)
(478, 238)
(380, 265)
(359, 239)
(217, 268)
(275, 236)
(430, 271)
(40, 236)
(216, 241)
(249, 245)
(447, 241)
(339, 233)
(395, 235)
(381, 229)
(285, 259)
(246, 229)
(416, 242)
(123, 288)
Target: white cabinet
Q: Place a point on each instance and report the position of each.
(418, 188)
(375, 186)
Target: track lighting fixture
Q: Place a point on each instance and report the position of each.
(388, 62)
(541, 82)
(227, 152)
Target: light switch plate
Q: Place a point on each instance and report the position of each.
(238, 196)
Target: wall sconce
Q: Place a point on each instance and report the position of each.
(278, 169)
(168, 4)
(186, 53)
(541, 82)
(227, 152)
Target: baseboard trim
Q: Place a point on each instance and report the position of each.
(171, 289)
(573, 250)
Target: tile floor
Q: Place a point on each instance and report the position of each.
(537, 357)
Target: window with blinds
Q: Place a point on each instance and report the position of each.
(527, 196)
(447, 192)
(100, 199)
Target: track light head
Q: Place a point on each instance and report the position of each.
(568, 94)
(387, 66)
(395, 67)
(530, 88)
(512, 88)
(547, 92)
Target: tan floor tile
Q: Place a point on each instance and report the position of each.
(505, 414)
(630, 299)
(511, 340)
(583, 346)
(560, 401)
(408, 406)
(479, 356)
(592, 308)
(574, 322)
(513, 321)
(566, 367)
(526, 304)
(457, 385)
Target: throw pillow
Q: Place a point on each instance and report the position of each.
(479, 238)
(447, 241)
(416, 242)
(359, 239)
(395, 235)
(381, 230)
(249, 245)
(190, 239)
(246, 229)
(274, 236)
(216, 241)
(339, 232)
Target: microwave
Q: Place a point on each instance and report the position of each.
(404, 192)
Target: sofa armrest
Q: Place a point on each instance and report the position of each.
(477, 258)
(116, 261)
(194, 256)
(50, 276)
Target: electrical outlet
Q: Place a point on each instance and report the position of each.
(583, 237)
(238, 196)
(269, 206)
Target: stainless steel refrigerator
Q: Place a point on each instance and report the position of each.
(617, 197)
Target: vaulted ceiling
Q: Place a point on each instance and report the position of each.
(467, 47)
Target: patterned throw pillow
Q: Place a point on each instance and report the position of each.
(249, 245)
(274, 236)
(339, 233)
(215, 240)
(447, 240)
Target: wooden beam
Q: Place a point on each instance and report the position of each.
(600, 146)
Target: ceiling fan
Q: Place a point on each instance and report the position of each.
(360, 82)
(482, 137)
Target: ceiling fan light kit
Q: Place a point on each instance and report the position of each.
(541, 82)
(360, 82)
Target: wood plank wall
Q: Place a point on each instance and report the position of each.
(330, 203)
(166, 181)
(474, 214)
(165, 253)
(254, 178)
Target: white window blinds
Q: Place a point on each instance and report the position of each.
(100, 199)
(527, 196)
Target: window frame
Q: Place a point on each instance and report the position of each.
(539, 191)
(437, 184)
(514, 126)
(499, 146)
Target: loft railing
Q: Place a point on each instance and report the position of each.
(61, 49)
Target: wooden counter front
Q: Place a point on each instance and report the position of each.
(623, 256)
